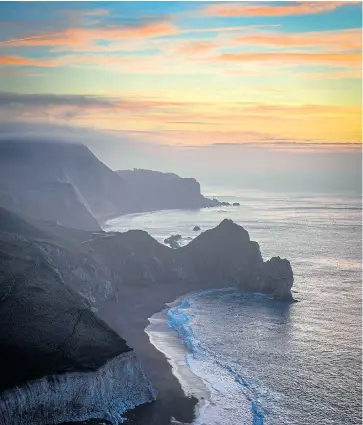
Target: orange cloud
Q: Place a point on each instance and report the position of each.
(196, 47)
(338, 59)
(84, 36)
(350, 39)
(22, 61)
(283, 9)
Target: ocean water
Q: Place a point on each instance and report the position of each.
(264, 362)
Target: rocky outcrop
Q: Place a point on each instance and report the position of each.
(173, 241)
(196, 228)
(278, 278)
(219, 257)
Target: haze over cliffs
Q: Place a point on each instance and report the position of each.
(75, 300)
(67, 184)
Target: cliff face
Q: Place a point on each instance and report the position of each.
(55, 201)
(152, 190)
(105, 393)
(66, 362)
(64, 183)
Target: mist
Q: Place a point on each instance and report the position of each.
(273, 166)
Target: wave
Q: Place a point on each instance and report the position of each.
(210, 368)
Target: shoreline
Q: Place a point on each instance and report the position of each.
(172, 405)
(166, 340)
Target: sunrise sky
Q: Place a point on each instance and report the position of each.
(186, 72)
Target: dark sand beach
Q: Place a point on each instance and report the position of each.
(171, 401)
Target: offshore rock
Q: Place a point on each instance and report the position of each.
(279, 278)
(173, 241)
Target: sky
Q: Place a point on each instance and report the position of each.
(255, 85)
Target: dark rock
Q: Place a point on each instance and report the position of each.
(236, 204)
(52, 343)
(218, 257)
(196, 228)
(173, 240)
(47, 328)
(279, 278)
(224, 204)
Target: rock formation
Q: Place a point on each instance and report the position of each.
(173, 241)
(196, 228)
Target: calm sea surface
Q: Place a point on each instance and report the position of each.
(265, 362)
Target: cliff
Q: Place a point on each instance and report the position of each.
(152, 190)
(104, 394)
(65, 183)
(61, 182)
(52, 343)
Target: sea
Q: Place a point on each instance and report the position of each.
(254, 361)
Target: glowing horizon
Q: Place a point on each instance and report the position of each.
(187, 73)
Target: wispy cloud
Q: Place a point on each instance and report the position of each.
(270, 10)
(85, 101)
(83, 36)
(13, 60)
(349, 39)
(337, 59)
